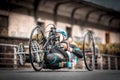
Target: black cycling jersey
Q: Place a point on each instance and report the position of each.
(76, 51)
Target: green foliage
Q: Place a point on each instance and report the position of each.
(112, 48)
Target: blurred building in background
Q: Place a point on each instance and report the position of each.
(76, 17)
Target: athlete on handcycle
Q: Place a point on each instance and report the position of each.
(72, 51)
(55, 51)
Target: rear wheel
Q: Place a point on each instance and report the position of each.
(89, 51)
(36, 49)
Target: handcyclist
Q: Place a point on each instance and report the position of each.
(67, 43)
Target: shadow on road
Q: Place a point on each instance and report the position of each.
(32, 71)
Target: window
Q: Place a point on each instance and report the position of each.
(3, 25)
(69, 29)
(107, 37)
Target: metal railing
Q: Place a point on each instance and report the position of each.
(101, 59)
(115, 62)
(15, 53)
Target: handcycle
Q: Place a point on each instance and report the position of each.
(46, 51)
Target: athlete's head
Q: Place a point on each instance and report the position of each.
(61, 31)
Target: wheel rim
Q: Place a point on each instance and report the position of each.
(89, 51)
(36, 49)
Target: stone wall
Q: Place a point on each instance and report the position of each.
(20, 25)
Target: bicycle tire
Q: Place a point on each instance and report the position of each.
(90, 65)
(37, 66)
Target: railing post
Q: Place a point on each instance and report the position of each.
(116, 63)
(15, 58)
(109, 63)
(93, 61)
(101, 64)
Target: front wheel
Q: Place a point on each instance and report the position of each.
(89, 51)
(36, 49)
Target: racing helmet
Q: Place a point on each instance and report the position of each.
(61, 31)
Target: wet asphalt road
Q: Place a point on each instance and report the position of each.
(59, 75)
